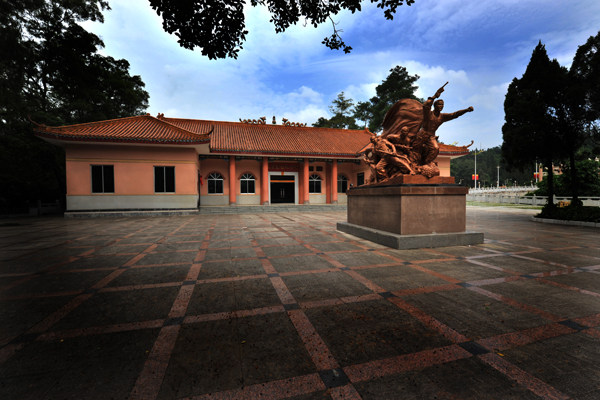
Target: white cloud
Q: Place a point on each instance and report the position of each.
(489, 98)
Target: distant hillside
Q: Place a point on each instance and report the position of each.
(487, 161)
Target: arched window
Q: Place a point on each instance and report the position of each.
(247, 184)
(314, 184)
(342, 184)
(215, 183)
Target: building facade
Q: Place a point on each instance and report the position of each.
(159, 163)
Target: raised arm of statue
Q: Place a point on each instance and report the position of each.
(450, 116)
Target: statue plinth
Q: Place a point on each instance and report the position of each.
(414, 180)
(410, 215)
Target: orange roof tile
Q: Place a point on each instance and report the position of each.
(143, 128)
(230, 137)
(224, 137)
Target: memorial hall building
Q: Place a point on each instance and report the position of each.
(159, 163)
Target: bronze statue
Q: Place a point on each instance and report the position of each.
(408, 143)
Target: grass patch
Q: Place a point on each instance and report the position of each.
(518, 206)
(571, 213)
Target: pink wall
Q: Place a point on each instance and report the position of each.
(220, 166)
(443, 165)
(248, 167)
(133, 167)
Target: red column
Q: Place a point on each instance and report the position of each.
(334, 174)
(305, 181)
(328, 184)
(300, 184)
(264, 182)
(232, 181)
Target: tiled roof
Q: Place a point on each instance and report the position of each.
(224, 137)
(447, 149)
(240, 137)
(138, 129)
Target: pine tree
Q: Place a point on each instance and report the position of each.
(398, 85)
(531, 128)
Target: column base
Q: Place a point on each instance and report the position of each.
(306, 202)
(265, 203)
(232, 204)
(334, 202)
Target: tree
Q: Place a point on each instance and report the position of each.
(585, 69)
(218, 27)
(531, 129)
(398, 85)
(342, 110)
(51, 71)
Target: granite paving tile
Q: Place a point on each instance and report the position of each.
(300, 263)
(150, 275)
(168, 258)
(120, 307)
(229, 269)
(552, 299)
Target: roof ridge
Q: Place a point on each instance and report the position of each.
(269, 125)
(125, 120)
(97, 122)
(162, 120)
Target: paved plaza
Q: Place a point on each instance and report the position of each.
(281, 305)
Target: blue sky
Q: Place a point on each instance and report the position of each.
(478, 46)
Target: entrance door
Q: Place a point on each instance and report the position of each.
(282, 189)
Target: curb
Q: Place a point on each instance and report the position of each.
(565, 222)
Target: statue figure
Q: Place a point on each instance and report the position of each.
(426, 138)
(408, 143)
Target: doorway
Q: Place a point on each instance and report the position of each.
(283, 189)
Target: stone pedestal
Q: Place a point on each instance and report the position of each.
(427, 210)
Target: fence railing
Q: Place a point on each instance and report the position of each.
(507, 189)
(528, 200)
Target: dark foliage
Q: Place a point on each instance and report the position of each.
(488, 160)
(587, 175)
(50, 70)
(398, 85)
(218, 27)
(342, 110)
(531, 128)
(571, 213)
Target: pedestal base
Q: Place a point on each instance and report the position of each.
(405, 242)
(409, 209)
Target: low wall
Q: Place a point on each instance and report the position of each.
(528, 200)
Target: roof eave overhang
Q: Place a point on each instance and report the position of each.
(285, 154)
(53, 138)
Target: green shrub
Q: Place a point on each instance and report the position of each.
(571, 213)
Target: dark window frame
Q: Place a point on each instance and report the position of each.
(359, 176)
(249, 181)
(215, 179)
(341, 183)
(314, 183)
(107, 179)
(167, 181)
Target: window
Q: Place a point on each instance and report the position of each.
(319, 169)
(164, 179)
(342, 184)
(247, 184)
(311, 168)
(103, 179)
(215, 184)
(314, 184)
(360, 179)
